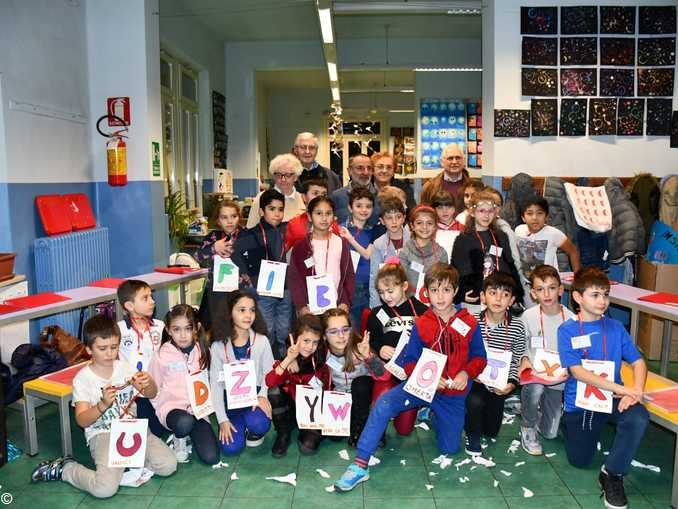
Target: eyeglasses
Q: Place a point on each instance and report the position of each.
(361, 167)
(340, 331)
(284, 176)
(306, 148)
(485, 212)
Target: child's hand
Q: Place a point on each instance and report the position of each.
(293, 367)
(343, 306)
(304, 311)
(222, 248)
(293, 349)
(141, 380)
(364, 346)
(442, 384)
(108, 395)
(345, 234)
(469, 298)
(226, 430)
(631, 392)
(524, 364)
(265, 406)
(386, 352)
(506, 390)
(460, 381)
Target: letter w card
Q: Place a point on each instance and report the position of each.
(322, 294)
(309, 407)
(199, 394)
(592, 398)
(127, 444)
(337, 413)
(225, 275)
(241, 384)
(423, 381)
(271, 281)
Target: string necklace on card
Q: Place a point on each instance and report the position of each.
(140, 334)
(327, 252)
(504, 322)
(541, 320)
(249, 348)
(581, 333)
(494, 241)
(395, 309)
(443, 334)
(263, 236)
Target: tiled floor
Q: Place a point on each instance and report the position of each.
(555, 484)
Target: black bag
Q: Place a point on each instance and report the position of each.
(31, 361)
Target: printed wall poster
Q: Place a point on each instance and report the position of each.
(443, 121)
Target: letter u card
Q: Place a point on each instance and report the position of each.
(423, 381)
(590, 397)
(322, 294)
(496, 372)
(127, 445)
(225, 275)
(336, 414)
(271, 281)
(199, 394)
(241, 384)
(309, 407)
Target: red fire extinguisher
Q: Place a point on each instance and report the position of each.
(116, 153)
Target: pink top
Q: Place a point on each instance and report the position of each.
(169, 368)
(328, 264)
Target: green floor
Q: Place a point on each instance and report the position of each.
(555, 484)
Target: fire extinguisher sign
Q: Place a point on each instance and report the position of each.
(119, 107)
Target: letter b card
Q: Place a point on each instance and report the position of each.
(241, 384)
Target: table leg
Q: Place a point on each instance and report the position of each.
(65, 417)
(634, 324)
(666, 347)
(30, 432)
(182, 293)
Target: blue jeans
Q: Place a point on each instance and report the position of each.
(541, 406)
(146, 411)
(448, 419)
(245, 420)
(583, 429)
(360, 300)
(277, 313)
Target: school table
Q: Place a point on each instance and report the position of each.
(627, 296)
(58, 390)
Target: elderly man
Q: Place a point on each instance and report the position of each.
(360, 170)
(453, 176)
(306, 149)
(285, 169)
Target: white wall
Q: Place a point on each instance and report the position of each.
(44, 63)
(581, 156)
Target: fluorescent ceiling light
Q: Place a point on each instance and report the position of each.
(332, 70)
(448, 69)
(407, 90)
(326, 25)
(335, 94)
(401, 111)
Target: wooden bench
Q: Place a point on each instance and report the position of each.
(668, 420)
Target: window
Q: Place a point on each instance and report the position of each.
(180, 122)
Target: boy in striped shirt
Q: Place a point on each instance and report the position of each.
(501, 333)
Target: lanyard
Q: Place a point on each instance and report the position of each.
(263, 236)
(140, 334)
(581, 333)
(327, 253)
(494, 241)
(504, 322)
(390, 241)
(443, 334)
(249, 349)
(541, 319)
(414, 312)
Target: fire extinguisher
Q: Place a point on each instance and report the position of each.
(116, 152)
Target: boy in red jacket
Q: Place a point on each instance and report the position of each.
(444, 329)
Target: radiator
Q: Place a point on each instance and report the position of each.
(68, 261)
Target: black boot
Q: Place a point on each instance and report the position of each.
(282, 422)
(309, 440)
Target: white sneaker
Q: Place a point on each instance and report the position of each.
(180, 449)
(530, 441)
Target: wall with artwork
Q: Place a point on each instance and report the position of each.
(580, 89)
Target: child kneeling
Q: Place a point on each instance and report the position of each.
(444, 329)
(103, 391)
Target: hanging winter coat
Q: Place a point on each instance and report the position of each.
(521, 186)
(626, 238)
(560, 215)
(644, 193)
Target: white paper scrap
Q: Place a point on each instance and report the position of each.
(432, 474)
(462, 463)
(234, 476)
(329, 489)
(403, 462)
(598, 446)
(473, 468)
(373, 461)
(423, 426)
(527, 493)
(550, 454)
(343, 454)
(496, 483)
(652, 468)
(479, 460)
(507, 474)
(513, 448)
(407, 402)
(135, 477)
(221, 464)
(289, 479)
(322, 473)
(429, 487)
(443, 461)
(519, 463)
(464, 480)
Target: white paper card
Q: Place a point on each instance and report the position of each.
(423, 382)
(391, 365)
(199, 394)
(422, 293)
(495, 250)
(581, 342)
(592, 398)
(355, 258)
(271, 281)
(460, 326)
(496, 372)
(240, 382)
(309, 262)
(382, 316)
(309, 407)
(322, 294)
(416, 266)
(337, 413)
(445, 239)
(547, 365)
(127, 443)
(537, 342)
(225, 275)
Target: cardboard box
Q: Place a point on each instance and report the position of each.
(661, 278)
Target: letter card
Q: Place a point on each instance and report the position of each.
(423, 381)
(309, 407)
(322, 294)
(496, 372)
(199, 394)
(240, 380)
(225, 275)
(271, 281)
(592, 398)
(336, 413)
(127, 445)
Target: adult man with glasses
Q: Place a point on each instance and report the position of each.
(360, 170)
(306, 150)
(451, 179)
(285, 169)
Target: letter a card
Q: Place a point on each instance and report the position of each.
(590, 397)
(322, 294)
(271, 281)
(337, 413)
(309, 407)
(423, 381)
(225, 275)
(199, 394)
(240, 380)
(127, 444)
